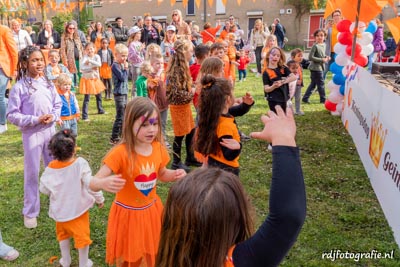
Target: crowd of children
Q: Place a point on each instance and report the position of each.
(163, 81)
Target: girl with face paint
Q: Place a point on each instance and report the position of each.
(131, 170)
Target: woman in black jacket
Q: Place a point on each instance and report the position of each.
(48, 38)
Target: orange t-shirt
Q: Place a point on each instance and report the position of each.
(140, 186)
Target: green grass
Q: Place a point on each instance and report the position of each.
(342, 210)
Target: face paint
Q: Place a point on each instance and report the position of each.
(153, 121)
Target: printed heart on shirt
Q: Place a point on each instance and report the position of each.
(145, 183)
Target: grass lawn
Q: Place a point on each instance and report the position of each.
(342, 210)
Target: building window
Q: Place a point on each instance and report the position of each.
(219, 7)
(190, 7)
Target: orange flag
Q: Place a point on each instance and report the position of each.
(198, 3)
(173, 2)
(316, 4)
(239, 2)
(369, 9)
(210, 3)
(185, 2)
(331, 5)
(394, 27)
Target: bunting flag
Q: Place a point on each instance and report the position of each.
(369, 9)
(394, 27)
(198, 2)
(185, 2)
(224, 2)
(159, 2)
(316, 4)
(173, 2)
(239, 2)
(210, 3)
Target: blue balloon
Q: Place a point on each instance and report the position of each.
(341, 89)
(372, 27)
(339, 79)
(335, 68)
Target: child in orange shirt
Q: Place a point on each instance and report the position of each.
(231, 53)
(66, 180)
(137, 162)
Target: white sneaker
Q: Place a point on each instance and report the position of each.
(269, 147)
(3, 128)
(30, 222)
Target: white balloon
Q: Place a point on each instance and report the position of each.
(335, 97)
(332, 86)
(361, 26)
(366, 38)
(342, 59)
(367, 50)
(339, 107)
(339, 48)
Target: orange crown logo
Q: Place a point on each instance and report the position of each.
(376, 140)
(147, 169)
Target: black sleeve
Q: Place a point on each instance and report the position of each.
(287, 211)
(229, 154)
(57, 39)
(266, 79)
(240, 110)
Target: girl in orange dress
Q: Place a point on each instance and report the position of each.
(232, 57)
(138, 161)
(90, 83)
(107, 59)
(180, 95)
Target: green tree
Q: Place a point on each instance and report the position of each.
(303, 7)
(59, 20)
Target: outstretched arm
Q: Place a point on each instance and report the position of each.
(269, 245)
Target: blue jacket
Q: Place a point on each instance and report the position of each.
(120, 79)
(69, 110)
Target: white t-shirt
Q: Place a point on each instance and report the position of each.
(68, 189)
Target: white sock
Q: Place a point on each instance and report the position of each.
(84, 257)
(65, 260)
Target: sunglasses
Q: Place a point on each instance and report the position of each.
(71, 28)
(174, 15)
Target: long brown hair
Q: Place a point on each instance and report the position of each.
(178, 74)
(212, 101)
(205, 214)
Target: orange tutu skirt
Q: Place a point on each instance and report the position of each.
(182, 119)
(133, 234)
(105, 71)
(91, 86)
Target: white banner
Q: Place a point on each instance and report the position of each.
(371, 114)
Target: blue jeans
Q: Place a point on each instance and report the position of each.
(85, 106)
(3, 86)
(242, 73)
(120, 104)
(317, 80)
(72, 125)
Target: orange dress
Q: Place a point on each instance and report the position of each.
(227, 67)
(232, 58)
(134, 222)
